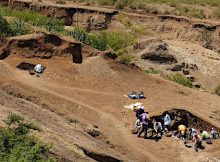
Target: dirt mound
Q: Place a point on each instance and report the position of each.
(42, 46)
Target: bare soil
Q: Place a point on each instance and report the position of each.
(68, 99)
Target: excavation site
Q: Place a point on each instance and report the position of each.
(109, 81)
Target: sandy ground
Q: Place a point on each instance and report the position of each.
(94, 95)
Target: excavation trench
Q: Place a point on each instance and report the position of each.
(180, 116)
(98, 156)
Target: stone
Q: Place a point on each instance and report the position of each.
(159, 57)
(185, 72)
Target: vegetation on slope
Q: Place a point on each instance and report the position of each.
(180, 79)
(17, 145)
(32, 18)
(117, 41)
(190, 8)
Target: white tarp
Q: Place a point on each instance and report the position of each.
(38, 68)
(134, 105)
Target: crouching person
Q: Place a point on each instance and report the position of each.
(214, 133)
(144, 124)
(157, 129)
(181, 132)
(205, 137)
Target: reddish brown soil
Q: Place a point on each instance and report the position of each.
(92, 93)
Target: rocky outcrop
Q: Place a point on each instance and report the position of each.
(159, 53)
(90, 18)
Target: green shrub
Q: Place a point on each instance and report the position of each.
(120, 4)
(189, 11)
(104, 40)
(17, 145)
(35, 19)
(217, 90)
(4, 27)
(18, 27)
(125, 57)
(180, 79)
(152, 71)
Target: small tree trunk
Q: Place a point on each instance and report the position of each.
(10, 3)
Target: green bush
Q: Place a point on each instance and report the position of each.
(18, 27)
(180, 79)
(104, 40)
(152, 71)
(189, 11)
(4, 27)
(217, 90)
(35, 19)
(125, 57)
(16, 145)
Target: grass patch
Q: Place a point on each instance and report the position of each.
(117, 41)
(35, 19)
(189, 11)
(137, 4)
(217, 90)
(104, 40)
(216, 12)
(14, 28)
(180, 79)
(61, 2)
(17, 145)
(137, 29)
(152, 71)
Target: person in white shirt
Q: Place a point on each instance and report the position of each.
(157, 128)
(167, 122)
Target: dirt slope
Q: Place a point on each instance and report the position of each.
(76, 93)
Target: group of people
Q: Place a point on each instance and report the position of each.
(195, 136)
(142, 124)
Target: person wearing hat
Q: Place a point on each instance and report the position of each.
(182, 131)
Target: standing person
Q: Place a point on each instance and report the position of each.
(144, 125)
(214, 133)
(167, 122)
(197, 142)
(139, 112)
(157, 128)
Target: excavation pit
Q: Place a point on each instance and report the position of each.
(26, 66)
(180, 116)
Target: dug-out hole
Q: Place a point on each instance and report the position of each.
(26, 66)
(180, 116)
